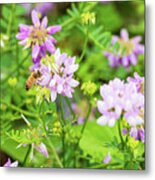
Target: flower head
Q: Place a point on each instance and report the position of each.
(38, 36)
(42, 149)
(89, 88)
(88, 18)
(132, 48)
(138, 133)
(9, 164)
(121, 100)
(57, 74)
(139, 81)
(107, 158)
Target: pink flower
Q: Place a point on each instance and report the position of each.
(121, 99)
(42, 149)
(107, 158)
(132, 49)
(57, 74)
(9, 164)
(38, 36)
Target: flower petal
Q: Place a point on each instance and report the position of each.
(21, 36)
(24, 28)
(35, 51)
(102, 120)
(53, 95)
(54, 29)
(111, 122)
(133, 59)
(35, 18)
(44, 22)
(73, 83)
(50, 47)
(125, 61)
(124, 34)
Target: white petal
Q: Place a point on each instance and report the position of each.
(111, 122)
(102, 120)
(53, 96)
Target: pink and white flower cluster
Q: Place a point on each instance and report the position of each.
(121, 99)
(57, 74)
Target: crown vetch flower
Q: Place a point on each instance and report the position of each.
(121, 99)
(38, 36)
(132, 47)
(9, 164)
(57, 74)
(138, 80)
(42, 149)
(138, 133)
(107, 158)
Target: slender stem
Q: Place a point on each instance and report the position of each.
(27, 155)
(54, 152)
(61, 109)
(86, 119)
(64, 123)
(41, 120)
(120, 133)
(70, 107)
(84, 47)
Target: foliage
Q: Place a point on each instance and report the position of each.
(68, 130)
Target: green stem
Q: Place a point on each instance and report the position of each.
(84, 47)
(61, 110)
(64, 123)
(120, 133)
(41, 120)
(27, 155)
(70, 107)
(86, 119)
(54, 152)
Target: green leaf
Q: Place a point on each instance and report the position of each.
(95, 138)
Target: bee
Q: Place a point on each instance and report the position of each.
(32, 79)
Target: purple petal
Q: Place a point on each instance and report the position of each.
(50, 47)
(124, 34)
(125, 61)
(35, 18)
(42, 149)
(9, 164)
(53, 29)
(107, 159)
(35, 51)
(134, 133)
(44, 22)
(24, 28)
(137, 39)
(133, 59)
(124, 131)
(21, 36)
(140, 49)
